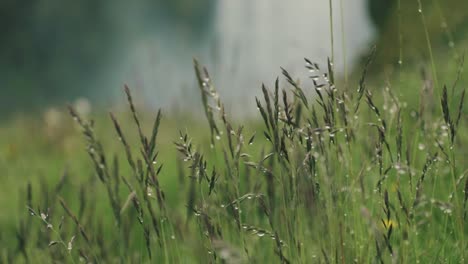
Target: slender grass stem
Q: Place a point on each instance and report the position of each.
(332, 42)
(429, 47)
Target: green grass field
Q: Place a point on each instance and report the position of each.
(377, 174)
(369, 171)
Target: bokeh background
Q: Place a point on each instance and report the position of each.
(55, 51)
(83, 52)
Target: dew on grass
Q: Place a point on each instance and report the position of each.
(421, 146)
(149, 192)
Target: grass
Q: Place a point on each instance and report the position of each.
(366, 170)
(416, 28)
(373, 175)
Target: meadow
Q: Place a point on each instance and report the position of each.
(371, 169)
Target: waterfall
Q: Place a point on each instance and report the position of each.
(246, 45)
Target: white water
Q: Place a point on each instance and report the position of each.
(249, 41)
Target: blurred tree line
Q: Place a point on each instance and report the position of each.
(45, 43)
(52, 50)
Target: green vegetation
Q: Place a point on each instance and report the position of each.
(407, 26)
(373, 174)
(363, 176)
(56, 50)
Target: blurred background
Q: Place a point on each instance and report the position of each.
(55, 51)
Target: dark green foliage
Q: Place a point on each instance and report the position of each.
(380, 11)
